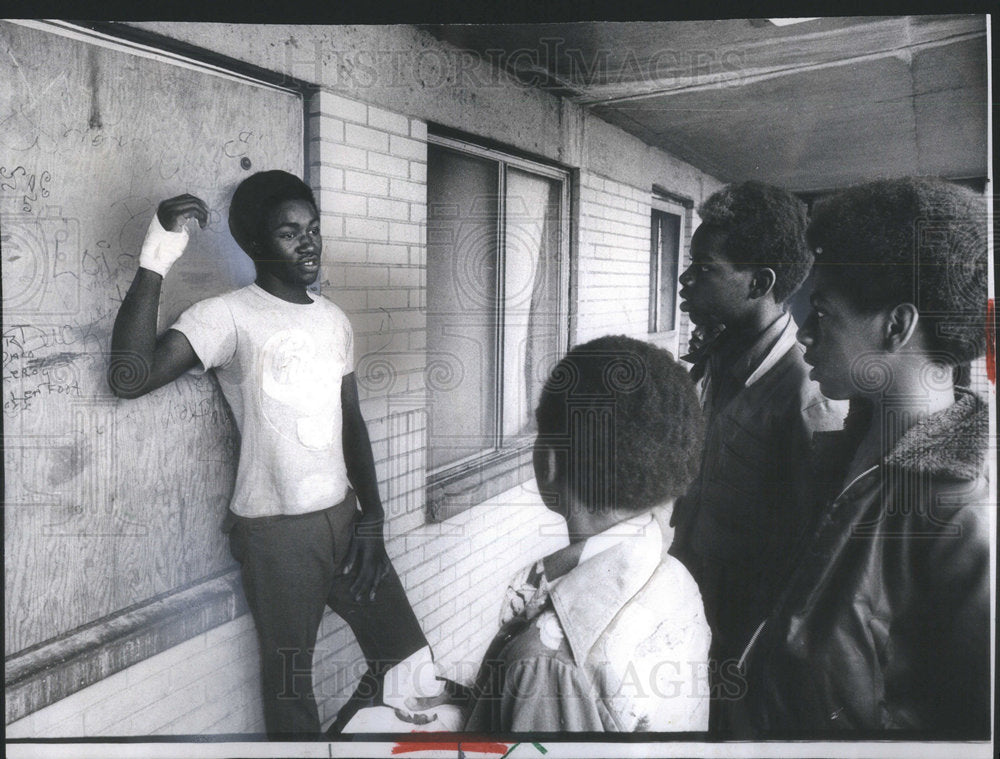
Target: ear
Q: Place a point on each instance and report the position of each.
(762, 282)
(901, 326)
(544, 460)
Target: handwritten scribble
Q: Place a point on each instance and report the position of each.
(30, 187)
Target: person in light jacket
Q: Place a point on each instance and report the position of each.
(607, 634)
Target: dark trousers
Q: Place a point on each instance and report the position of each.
(731, 595)
(290, 574)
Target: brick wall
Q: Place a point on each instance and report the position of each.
(613, 258)
(368, 169)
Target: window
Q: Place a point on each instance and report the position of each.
(497, 246)
(664, 259)
(664, 255)
(666, 237)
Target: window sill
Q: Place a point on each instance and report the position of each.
(55, 669)
(453, 491)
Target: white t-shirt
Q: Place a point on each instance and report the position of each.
(280, 366)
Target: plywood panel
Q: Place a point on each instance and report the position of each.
(111, 502)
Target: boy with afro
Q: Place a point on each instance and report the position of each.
(743, 513)
(284, 360)
(608, 633)
(884, 625)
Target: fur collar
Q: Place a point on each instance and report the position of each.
(950, 443)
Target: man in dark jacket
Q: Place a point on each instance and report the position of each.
(884, 624)
(743, 512)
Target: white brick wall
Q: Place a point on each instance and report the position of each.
(361, 166)
(454, 572)
(613, 259)
(613, 256)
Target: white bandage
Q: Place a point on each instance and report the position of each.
(161, 248)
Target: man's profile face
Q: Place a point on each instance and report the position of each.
(713, 289)
(843, 343)
(291, 245)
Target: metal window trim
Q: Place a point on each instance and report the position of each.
(489, 458)
(517, 162)
(659, 203)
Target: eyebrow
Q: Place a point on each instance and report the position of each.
(313, 220)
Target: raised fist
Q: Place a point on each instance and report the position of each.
(173, 213)
(167, 235)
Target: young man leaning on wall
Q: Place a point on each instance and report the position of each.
(284, 360)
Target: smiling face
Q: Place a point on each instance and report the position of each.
(844, 344)
(713, 289)
(291, 245)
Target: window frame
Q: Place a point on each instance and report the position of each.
(460, 485)
(667, 338)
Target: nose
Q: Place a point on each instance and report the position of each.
(686, 278)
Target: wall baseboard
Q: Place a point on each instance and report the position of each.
(50, 671)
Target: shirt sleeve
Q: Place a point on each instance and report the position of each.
(348, 347)
(210, 328)
(545, 694)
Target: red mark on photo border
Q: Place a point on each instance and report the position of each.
(991, 343)
(407, 747)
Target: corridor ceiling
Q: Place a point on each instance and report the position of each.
(811, 106)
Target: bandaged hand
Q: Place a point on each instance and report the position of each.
(161, 248)
(167, 235)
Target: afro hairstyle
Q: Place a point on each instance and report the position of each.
(626, 417)
(255, 197)
(911, 240)
(764, 226)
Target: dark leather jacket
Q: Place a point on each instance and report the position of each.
(884, 623)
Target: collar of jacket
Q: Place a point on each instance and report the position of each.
(786, 329)
(587, 598)
(752, 363)
(950, 443)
